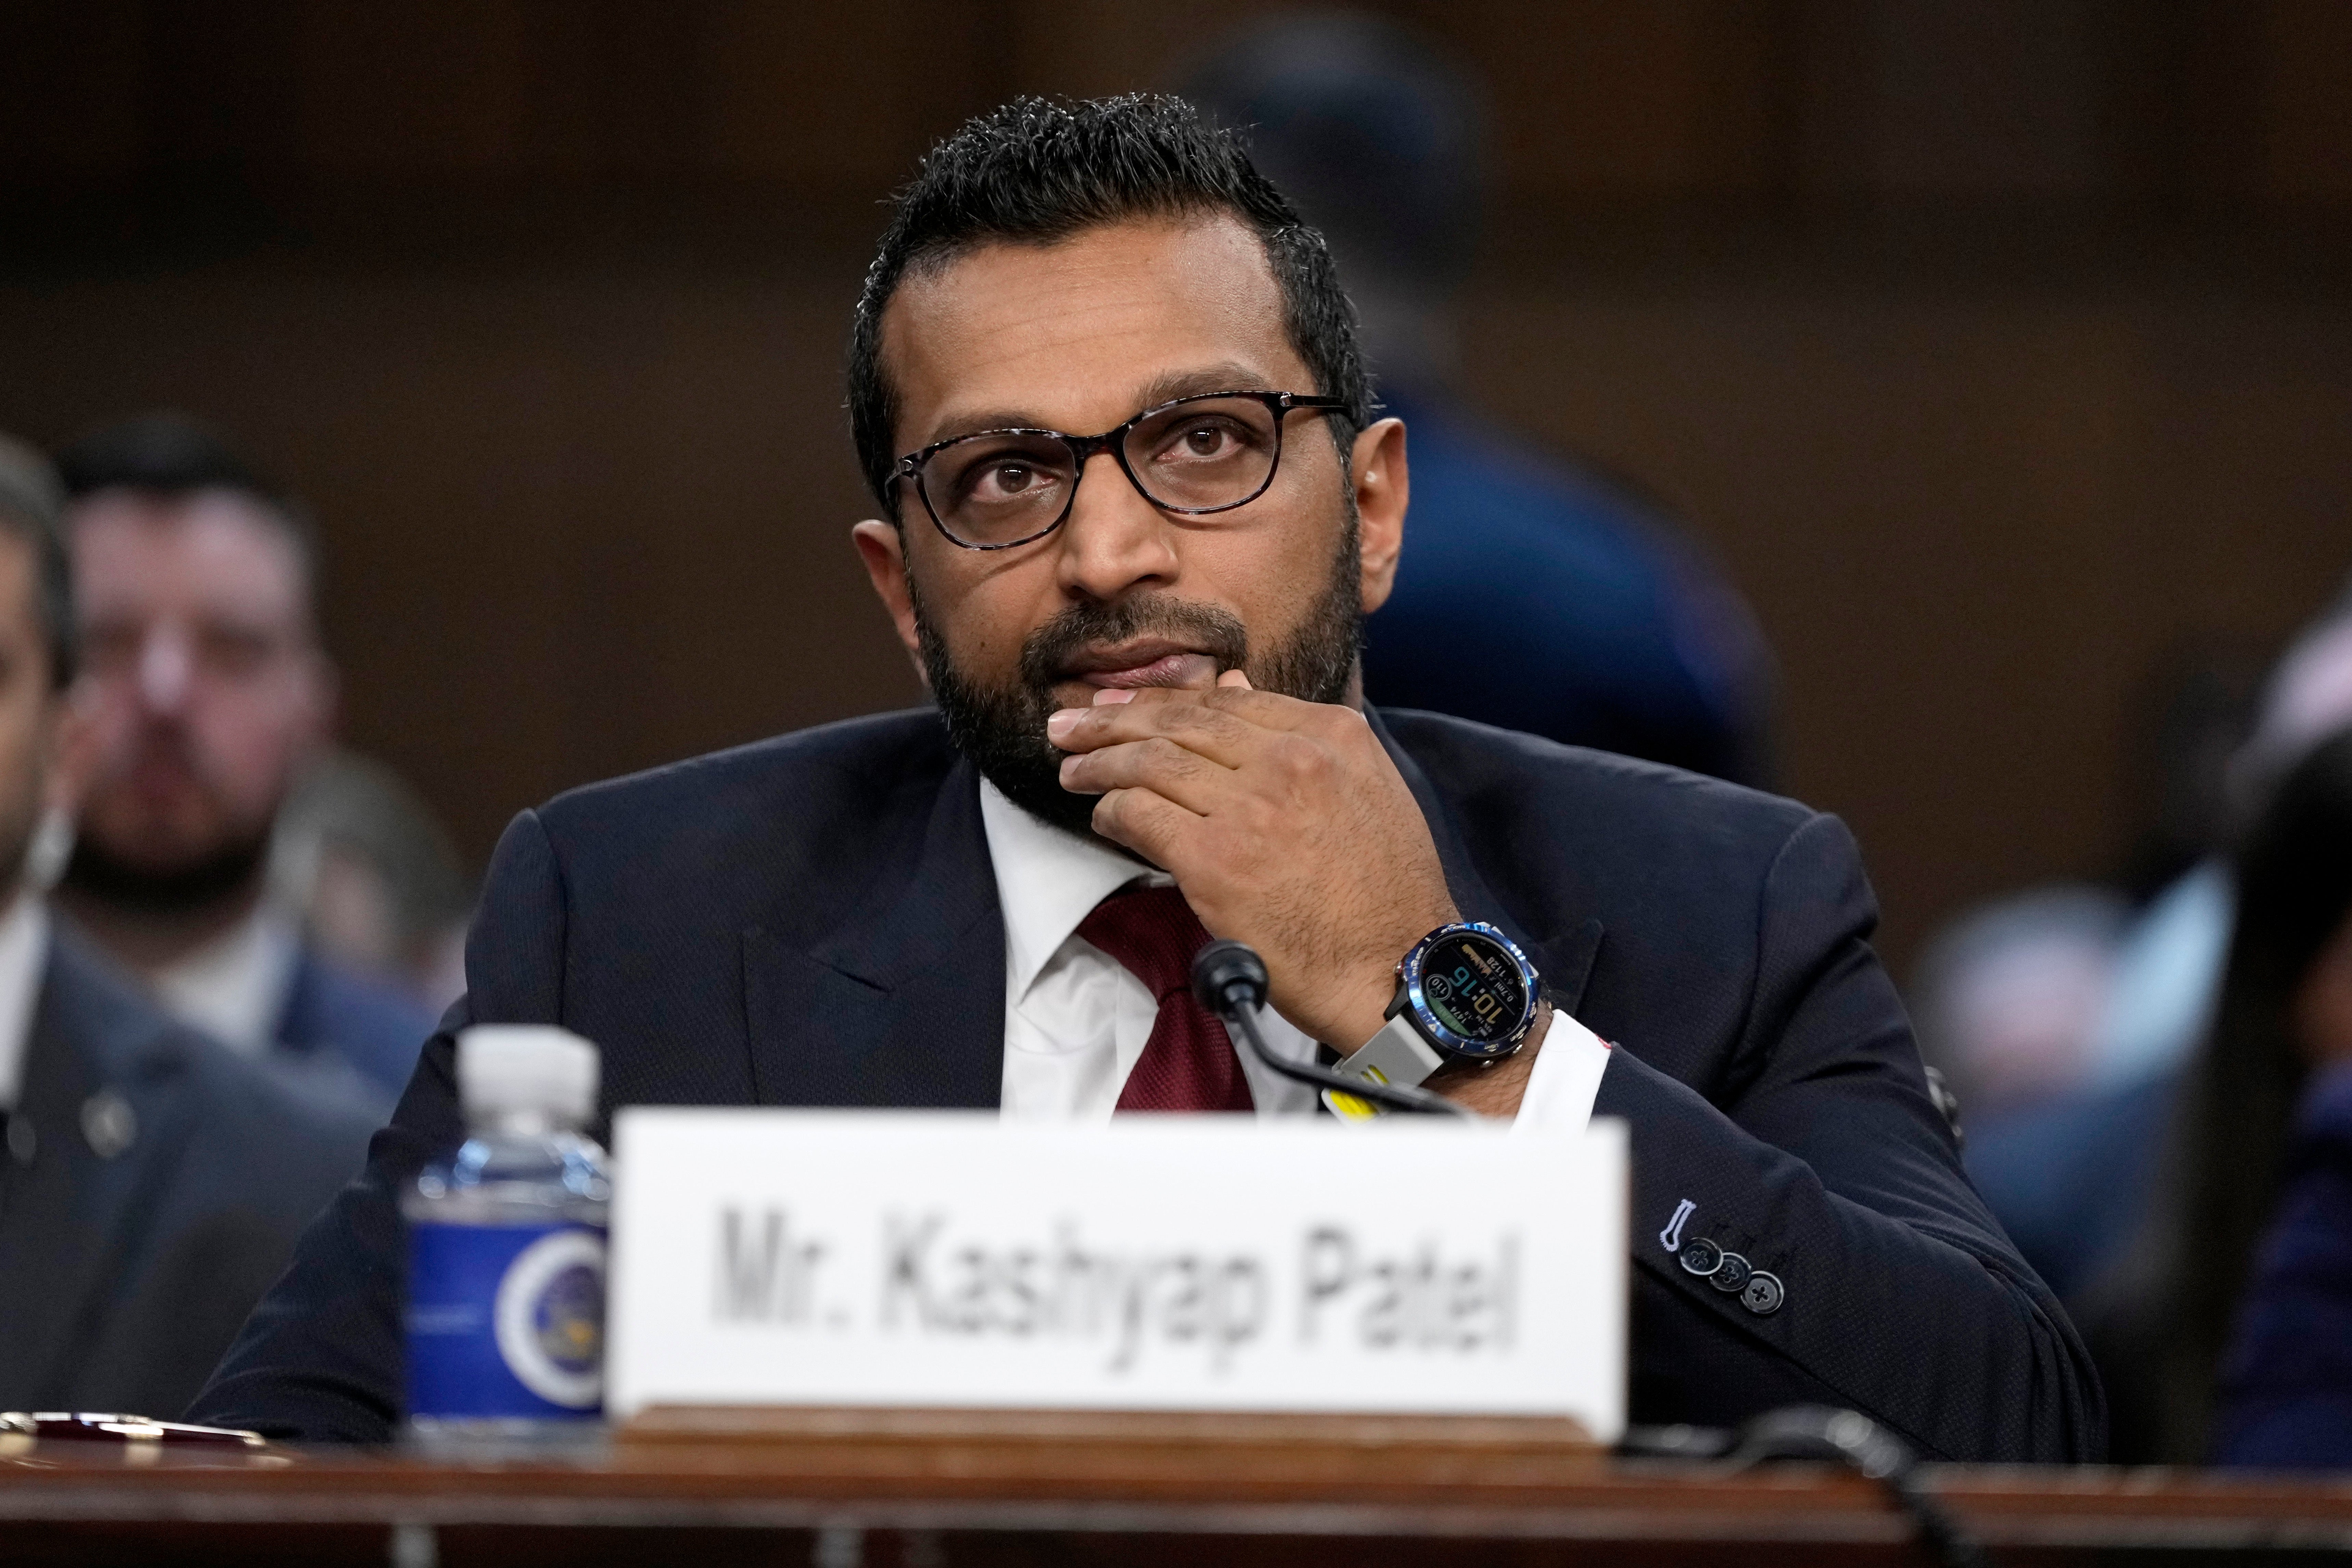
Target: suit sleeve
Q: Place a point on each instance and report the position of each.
(1820, 1159)
(319, 1360)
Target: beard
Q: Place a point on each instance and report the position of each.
(1002, 728)
(224, 871)
(118, 860)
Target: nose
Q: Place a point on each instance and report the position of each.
(1113, 539)
(166, 669)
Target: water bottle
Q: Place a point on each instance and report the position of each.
(506, 1246)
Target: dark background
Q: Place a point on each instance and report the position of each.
(1996, 346)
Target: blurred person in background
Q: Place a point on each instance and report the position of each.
(2279, 1036)
(2008, 998)
(2008, 1001)
(2168, 975)
(375, 876)
(151, 1182)
(2283, 1037)
(1543, 597)
(204, 698)
(2070, 1169)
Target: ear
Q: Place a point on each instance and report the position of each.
(1383, 487)
(885, 555)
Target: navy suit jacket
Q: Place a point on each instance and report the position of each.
(368, 1027)
(813, 921)
(156, 1191)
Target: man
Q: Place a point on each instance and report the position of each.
(1151, 675)
(1540, 593)
(206, 697)
(152, 1184)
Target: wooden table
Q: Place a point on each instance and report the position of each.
(942, 1490)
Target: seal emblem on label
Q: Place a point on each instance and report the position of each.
(550, 1318)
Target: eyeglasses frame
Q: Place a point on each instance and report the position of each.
(1114, 441)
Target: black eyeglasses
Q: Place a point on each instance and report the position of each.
(995, 489)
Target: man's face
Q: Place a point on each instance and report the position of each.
(203, 692)
(29, 708)
(1080, 336)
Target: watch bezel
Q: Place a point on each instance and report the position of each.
(1414, 1005)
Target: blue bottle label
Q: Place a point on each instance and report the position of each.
(505, 1321)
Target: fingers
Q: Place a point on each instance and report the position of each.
(1148, 822)
(1225, 723)
(1156, 763)
(1109, 695)
(1219, 736)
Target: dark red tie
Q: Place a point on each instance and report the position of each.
(1188, 1063)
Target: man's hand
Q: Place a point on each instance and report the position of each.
(1286, 826)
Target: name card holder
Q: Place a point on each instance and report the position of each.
(1164, 1455)
(953, 1293)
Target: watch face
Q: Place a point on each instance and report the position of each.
(1473, 987)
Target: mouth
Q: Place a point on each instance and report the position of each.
(1151, 661)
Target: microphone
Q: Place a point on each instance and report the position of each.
(1229, 979)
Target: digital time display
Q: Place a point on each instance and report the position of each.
(1473, 987)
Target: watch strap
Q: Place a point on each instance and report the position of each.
(1397, 1055)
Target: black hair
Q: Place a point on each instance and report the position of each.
(30, 503)
(172, 455)
(2162, 1321)
(1036, 171)
(2294, 888)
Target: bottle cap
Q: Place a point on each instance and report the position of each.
(508, 1069)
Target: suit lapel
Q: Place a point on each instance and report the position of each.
(70, 1220)
(902, 1002)
(1562, 946)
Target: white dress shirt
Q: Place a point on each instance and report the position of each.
(24, 954)
(1076, 1019)
(233, 987)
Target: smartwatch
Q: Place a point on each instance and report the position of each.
(1464, 994)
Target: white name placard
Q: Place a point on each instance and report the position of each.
(1171, 1263)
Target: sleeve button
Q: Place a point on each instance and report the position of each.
(1763, 1294)
(1731, 1274)
(1701, 1257)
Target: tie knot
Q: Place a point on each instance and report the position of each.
(1152, 932)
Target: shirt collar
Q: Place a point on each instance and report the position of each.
(1047, 880)
(234, 986)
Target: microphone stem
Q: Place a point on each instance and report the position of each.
(1239, 1010)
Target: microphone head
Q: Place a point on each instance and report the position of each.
(1227, 973)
